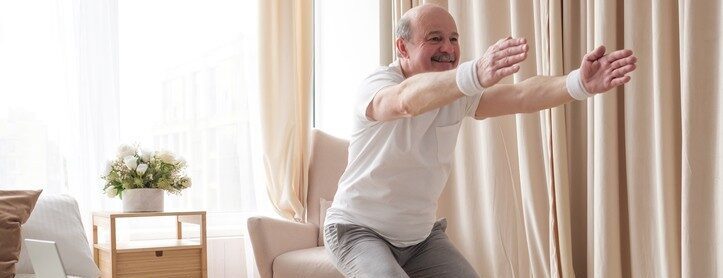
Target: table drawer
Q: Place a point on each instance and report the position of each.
(166, 263)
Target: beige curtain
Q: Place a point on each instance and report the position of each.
(501, 198)
(286, 64)
(653, 161)
(621, 185)
(701, 122)
(645, 160)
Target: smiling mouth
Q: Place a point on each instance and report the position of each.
(443, 58)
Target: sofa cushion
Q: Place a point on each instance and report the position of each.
(311, 262)
(15, 209)
(57, 218)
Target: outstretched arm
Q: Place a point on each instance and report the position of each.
(599, 73)
(427, 91)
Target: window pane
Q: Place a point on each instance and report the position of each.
(185, 71)
(32, 97)
(346, 51)
(78, 78)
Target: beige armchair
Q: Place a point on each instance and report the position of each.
(289, 249)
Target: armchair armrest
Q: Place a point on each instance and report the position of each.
(273, 237)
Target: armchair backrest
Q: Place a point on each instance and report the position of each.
(327, 162)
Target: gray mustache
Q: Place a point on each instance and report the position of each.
(443, 57)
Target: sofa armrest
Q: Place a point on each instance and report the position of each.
(272, 237)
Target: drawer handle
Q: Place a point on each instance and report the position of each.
(159, 253)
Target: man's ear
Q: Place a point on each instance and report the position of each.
(402, 48)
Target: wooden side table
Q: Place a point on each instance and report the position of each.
(179, 257)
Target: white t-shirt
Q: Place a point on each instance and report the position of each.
(397, 169)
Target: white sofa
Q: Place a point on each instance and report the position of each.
(57, 218)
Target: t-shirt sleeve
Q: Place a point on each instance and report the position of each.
(370, 87)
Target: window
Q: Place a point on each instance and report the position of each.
(32, 93)
(346, 51)
(81, 77)
(191, 74)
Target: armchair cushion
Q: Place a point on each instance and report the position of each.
(272, 237)
(311, 263)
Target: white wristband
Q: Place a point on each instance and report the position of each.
(467, 80)
(575, 87)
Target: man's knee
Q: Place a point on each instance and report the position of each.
(370, 265)
(391, 269)
(359, 252)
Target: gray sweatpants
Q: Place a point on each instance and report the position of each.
(358, 251)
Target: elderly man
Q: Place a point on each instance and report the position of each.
(407, 117)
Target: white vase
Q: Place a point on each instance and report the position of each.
(143, 200)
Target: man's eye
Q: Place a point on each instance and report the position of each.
(453, 39)
(436, 39)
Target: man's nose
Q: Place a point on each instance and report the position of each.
(447, 47)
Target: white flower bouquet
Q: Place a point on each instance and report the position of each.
(135, 168)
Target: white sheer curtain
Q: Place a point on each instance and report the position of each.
(90, 38)
(58, 96)
(80, 77)
(68, 97)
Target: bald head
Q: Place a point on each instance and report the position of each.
(427, 40)
(411, 17)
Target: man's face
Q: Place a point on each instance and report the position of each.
(434, 45)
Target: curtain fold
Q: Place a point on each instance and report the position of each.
(59, 101)
(90, 47)
(286, 45)
(701, 57)
(634, 146)
(620, 185)
(499, 196)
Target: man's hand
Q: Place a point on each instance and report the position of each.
(600, 72)
(501, 60)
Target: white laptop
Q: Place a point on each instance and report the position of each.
(45, 259)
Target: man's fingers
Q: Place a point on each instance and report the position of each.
(503, 44)
(623, 70)
(510, 51)
(512, 43)
(499, 43)
(619, 81)
(516, 50)
(503, 72)
(624, 61)
(620, 54)
(510, 60)
(501, 59)
(595, 54)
